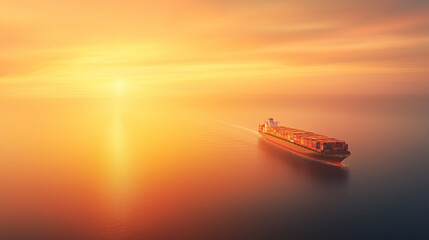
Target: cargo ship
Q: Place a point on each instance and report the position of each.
(305, 143)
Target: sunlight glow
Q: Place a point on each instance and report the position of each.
(178, 49)
(119, 87)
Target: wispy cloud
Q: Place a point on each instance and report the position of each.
(76, 48)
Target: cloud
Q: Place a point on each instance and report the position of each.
(72, 45)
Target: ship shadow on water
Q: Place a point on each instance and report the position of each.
(315, 171)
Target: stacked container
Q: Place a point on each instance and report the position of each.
(313, 141)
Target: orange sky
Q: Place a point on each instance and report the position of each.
(190, 47)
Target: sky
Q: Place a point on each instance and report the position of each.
(197, 48)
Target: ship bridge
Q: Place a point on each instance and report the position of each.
(271, 123)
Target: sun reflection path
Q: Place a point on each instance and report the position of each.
(118, 162)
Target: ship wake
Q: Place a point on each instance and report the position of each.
(249, 130)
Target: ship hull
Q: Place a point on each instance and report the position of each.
(328, 157)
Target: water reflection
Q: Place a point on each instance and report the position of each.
(118, 163)
(314, 171)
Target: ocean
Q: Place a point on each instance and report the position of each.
(139, 168)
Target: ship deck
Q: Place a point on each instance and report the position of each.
(302, 150)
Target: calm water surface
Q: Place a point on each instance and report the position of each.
(136, 169)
